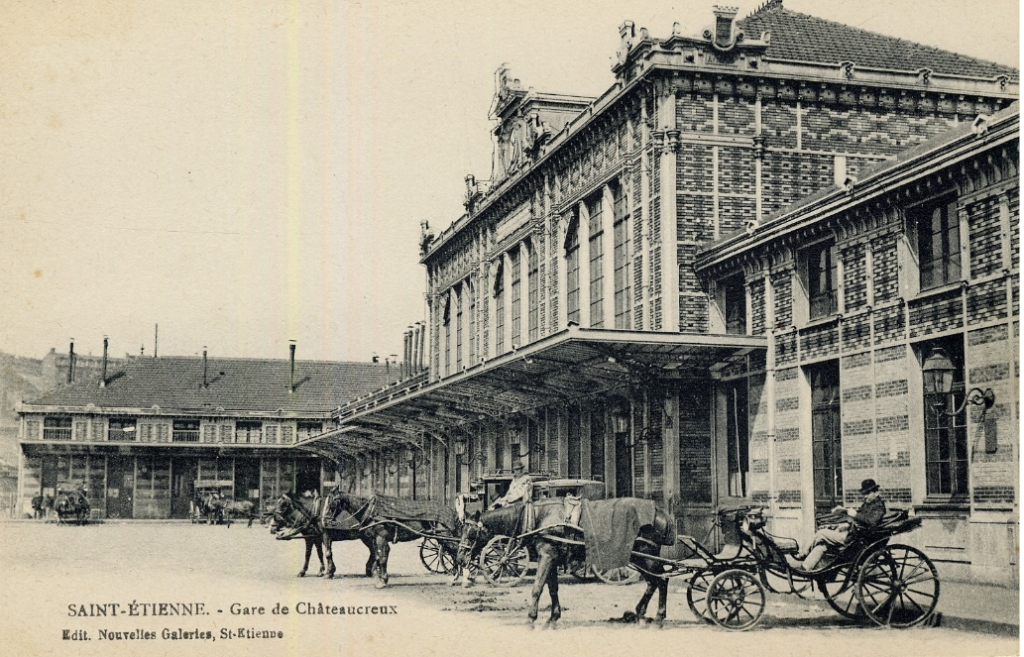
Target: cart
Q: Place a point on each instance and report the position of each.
(506, 560)
(890, 584)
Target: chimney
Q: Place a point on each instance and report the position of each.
(291, 380)
(407, 356)
(156, 338)
(413, 368)
(206, 383)
(103, 374)
(423, 346)
(71, 362)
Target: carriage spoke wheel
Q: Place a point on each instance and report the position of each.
(736, 600)
(504, 561)
(618, 576)
(435, 558)
(898, 586)
(840, 590)
(697, 594)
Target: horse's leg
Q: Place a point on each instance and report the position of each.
(382, 549)
(371, 561)
(305, 561)
(329, 552)
(319, 544)
(556, 607)
(641, 607)
(662, 600)
(544, 567)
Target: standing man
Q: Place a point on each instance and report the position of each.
(867, 515)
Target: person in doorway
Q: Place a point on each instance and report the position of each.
(37, 506)
(868, 514)
(519, 489)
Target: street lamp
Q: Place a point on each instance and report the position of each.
(938, 372)
(515, 438)
(460, 451)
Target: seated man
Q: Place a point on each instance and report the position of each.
(520, 488)
(869, 514)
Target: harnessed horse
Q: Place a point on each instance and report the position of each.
(320, 527)
(72, 505)
(553, 543)
(377, 529)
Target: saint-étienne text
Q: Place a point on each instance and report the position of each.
(114, 609)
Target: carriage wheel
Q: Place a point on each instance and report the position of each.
(736, 600)
(898, 586)
(504, 561)
(436, 558)
(840, 590)
(619, 576)
(697, 594)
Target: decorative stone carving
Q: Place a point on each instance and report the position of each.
(426, 237)
(847, 69)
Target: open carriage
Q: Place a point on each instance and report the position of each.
(890, 584)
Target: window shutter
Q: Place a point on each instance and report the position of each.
(99, 429)
(81, 430)
(147, 432)
(271, 434)
(162, 431)
(209, 432)
(287, 435)
(225, 433)
(32, 429)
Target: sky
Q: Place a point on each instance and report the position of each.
(242, 173)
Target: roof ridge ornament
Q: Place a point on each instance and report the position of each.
(725, 35)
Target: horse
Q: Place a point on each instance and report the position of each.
(370, 516)
(72, 504)
(239, 509)
(320, 525)
(289, 519)
(553, 551)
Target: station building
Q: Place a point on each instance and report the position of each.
(713, 284)
(146, 434)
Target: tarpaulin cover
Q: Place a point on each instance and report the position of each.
(610, 527)
(397, 508)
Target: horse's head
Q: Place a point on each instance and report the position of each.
(297, 516)
(474, 536)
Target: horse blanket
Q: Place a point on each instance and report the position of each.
(610, 527)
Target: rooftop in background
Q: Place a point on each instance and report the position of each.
(801, 37)
(233, 384)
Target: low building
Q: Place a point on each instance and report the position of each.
(144, 436)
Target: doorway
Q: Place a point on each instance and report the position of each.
(183, 486)
(120, 486)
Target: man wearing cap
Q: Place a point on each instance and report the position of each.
(868, 514)
(519, 489)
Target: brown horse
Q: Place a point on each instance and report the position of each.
(552, 550)
(381, 520)
(302, 517)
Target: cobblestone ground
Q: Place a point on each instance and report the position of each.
(56, 579)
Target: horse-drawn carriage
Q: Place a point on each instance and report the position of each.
(72, 505)
(870, 578)
(210, 505)
(505, 560)
(867, 578)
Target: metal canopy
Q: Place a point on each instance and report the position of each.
(573, 364)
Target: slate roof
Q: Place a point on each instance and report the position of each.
(235, 384)
(797, 36)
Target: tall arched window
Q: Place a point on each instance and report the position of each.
(572, 269)
(622, 257)
(596, 239)
(533, 291)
